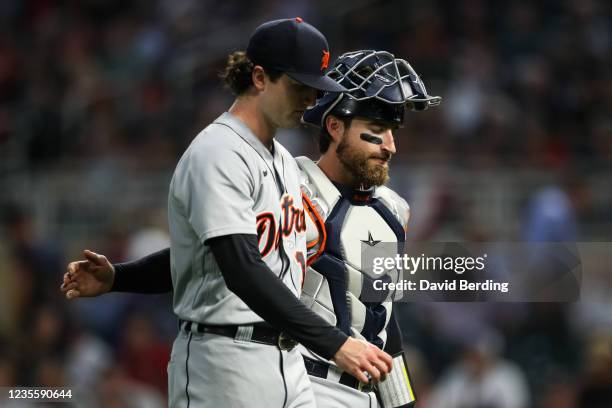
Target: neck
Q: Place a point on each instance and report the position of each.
(246, 108)
(335, 170)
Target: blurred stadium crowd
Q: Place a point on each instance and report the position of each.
(98, 99)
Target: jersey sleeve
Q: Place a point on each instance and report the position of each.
(215, 187)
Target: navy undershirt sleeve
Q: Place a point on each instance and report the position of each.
(248, 276)
(150, 274)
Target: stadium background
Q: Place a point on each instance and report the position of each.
(98, 99)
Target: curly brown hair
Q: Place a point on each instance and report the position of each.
(237, 74)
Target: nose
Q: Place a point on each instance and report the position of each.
(388, 144)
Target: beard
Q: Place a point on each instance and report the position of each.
(364, 171)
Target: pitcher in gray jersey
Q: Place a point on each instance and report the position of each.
(241, 187)
(238, 245)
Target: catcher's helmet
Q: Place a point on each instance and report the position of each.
(379, 86)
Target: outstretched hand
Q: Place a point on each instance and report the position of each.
(93, 276)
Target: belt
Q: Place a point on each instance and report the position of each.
(323, 370)
(253, 333)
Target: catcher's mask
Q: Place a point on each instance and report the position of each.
(379, 87)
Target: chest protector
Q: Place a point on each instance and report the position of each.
(337, 225)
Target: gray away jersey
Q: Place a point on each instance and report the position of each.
(227, 182)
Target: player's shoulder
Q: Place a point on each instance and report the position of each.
(216, 138)
(216, 144)
(213, 151)
(394, 202)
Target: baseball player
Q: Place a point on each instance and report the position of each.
(238, 307)
(346, 204)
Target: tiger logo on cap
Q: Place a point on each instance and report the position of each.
(325, 60)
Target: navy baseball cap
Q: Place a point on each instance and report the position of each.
(296, 48)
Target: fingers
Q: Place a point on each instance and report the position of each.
(72, 267)
(382, 368)
(378, 364)
(70, 289)
(94, 257)
(69, 282)
(73, 294)
(68, 286)
(374, 372)
(75, 267)
(383, 360)
(358, 374)
(386, 358)
(359, 357)
(67, 278)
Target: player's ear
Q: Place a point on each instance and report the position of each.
(335, 127)
(258, 76)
